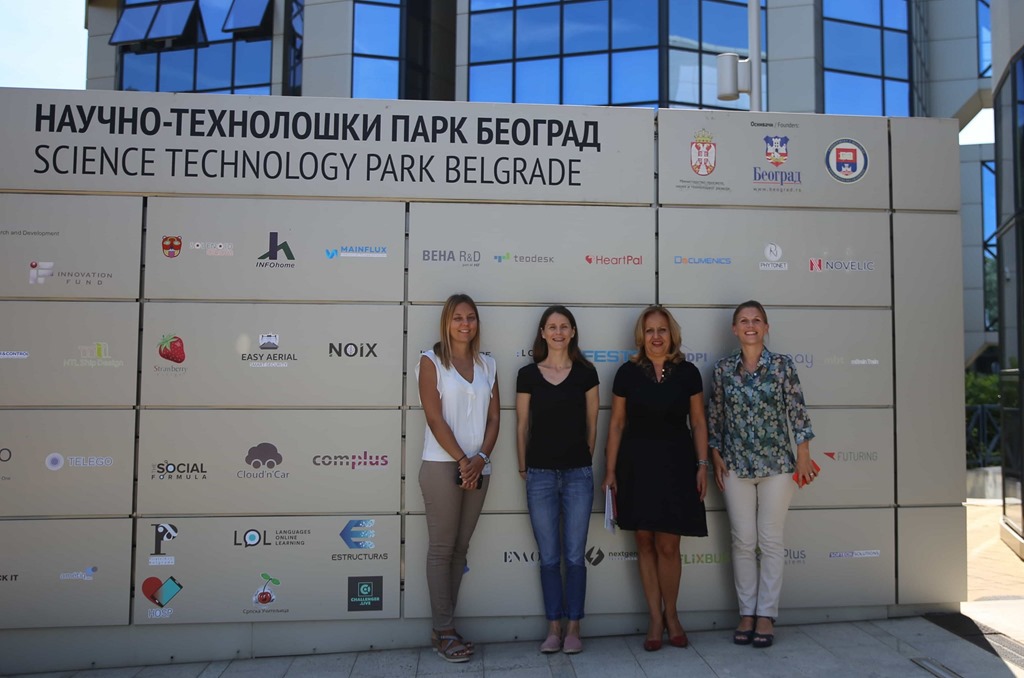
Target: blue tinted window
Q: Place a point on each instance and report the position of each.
(635, 76)
(864, 11)
(988, 199)
(852, 94)
(585, 26)
(896, 55)
(537, 31)
(522, 3)
(245, 14)
(376, 30)
(984, 39)
(253, 91)
(725, 28)
(138, 72)
(170, 20)
(135, 2)
(895, 14)
(683, 23)
(213, 66)
(537, 82)
(133, 24)
(374, 78)
(214, 12)
(252, 62)
(897, 98)
(491, 83)
(477, 5)
(490, 36)
(684, 77)
(634, 24)
(709, 86)
(853, 48)
(176, 70)
(585, 80)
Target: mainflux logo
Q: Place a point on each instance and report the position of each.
(269, 258)
(162, 533)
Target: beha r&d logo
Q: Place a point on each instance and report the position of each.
(465, 258)
(846, 161)
(39, 271)
(703, 154)
(171, 246)
(773, 253)
(269, 258)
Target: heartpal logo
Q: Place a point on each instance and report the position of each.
(621, 260)
(846, 161)
(39, 271)
(269, 259)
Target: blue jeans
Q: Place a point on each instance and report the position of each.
(561, 499)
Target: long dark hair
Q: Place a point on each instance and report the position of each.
(540, 347)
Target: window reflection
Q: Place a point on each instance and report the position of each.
(537, 31)
(138, 72)
(852, 94)
(490, 36)
(537, 81)
(176, 70)
(585, 80)
(635, 76)
(376, 29)
(725, 28)
(585, 26)
(853, 48)
(984, 39)
(634, 24)
(684, 76)
(491, 83)
(374, 78)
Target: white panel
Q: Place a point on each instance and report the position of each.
(532, 254)
(205, 248)
(719, 256)
(62, 246)
(76, 573)
(925, 164)
(330, 147)
(260, 569)
(66, 462)
(313, 355)
(507, 333)
(74, 353)
(781, 159)
(278, 462)
(933, 555)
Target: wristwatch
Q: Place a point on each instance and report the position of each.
(487, 458)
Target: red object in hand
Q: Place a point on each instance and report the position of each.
(172, 348)
(814, 466)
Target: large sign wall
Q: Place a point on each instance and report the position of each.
(212, 310)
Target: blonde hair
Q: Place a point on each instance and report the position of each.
(443, 348)
(674, 355)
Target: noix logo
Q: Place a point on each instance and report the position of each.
(594, 556)
(352, 350)
(269, 259)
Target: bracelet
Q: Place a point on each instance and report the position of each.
(702, 462)
(459, 460)
(487, 458)
(522, 470)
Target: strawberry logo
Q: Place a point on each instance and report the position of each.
(172, 348)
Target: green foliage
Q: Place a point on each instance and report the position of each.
(981, 389)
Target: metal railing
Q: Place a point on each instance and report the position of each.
(984, 431)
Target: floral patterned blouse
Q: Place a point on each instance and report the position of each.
(748, 413)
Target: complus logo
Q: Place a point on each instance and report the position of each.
(269, 259)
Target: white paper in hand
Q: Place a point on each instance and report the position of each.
(609, 510)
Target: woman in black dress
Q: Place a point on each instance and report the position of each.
(657, 465)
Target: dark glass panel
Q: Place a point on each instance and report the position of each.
(376, 30)
(374, 78)
(585, 80)
(490, 36)
(897, 98)
(537, 31)
(852, 94)
(709, 86)
(984, 39)
(477, 5)
(136, 2)
(170, 20)
(537, 82)
(725, 28)
(214, 12)
(138, 72)
(864, 11)
(523, 3)
(897, 55)
(894, 14)
(133, 24)
(1003, 110)
(853, 48)
(492, 82)
(213, 66)
(252, 62)
(585, 26)
(1018, 135)
(263, 90)
(176, 71)
(245, 14)
(684, 77)
(634, 24)
(683, 23)
(635, 76)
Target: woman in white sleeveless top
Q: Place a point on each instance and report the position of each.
(458, 389)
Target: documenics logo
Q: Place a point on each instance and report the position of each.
(720, 261)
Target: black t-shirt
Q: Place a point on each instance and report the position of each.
(558, 417)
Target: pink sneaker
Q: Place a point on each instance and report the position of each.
(551, 644)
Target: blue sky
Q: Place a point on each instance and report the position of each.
(43, 44)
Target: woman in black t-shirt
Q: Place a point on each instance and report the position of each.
(556, 413)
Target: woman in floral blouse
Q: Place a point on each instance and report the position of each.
(756, 401)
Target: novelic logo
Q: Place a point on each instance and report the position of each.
(773, 254)
(269, 259)
(96, 354)
(703, 153)
(266, 595)
(160, 592)
(465, 258)
(523, 258)
(609, 355)
(846, 161)
(620, 260)
(88, 574)
(213, 249)
(270, 342)
(363, 251)
(852, 456)
(178, 470)
(351, 349)
(594, 556)
(162, 533)
(171, 246)
(56, 461)
(13, 355)
(819, 265)
(720, 261)
(285, 537)
(521, 557)
(39, 271)
(352, 461)
(866, 553)
(264, 458)
(365, 594)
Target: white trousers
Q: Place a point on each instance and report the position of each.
(757, 515)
